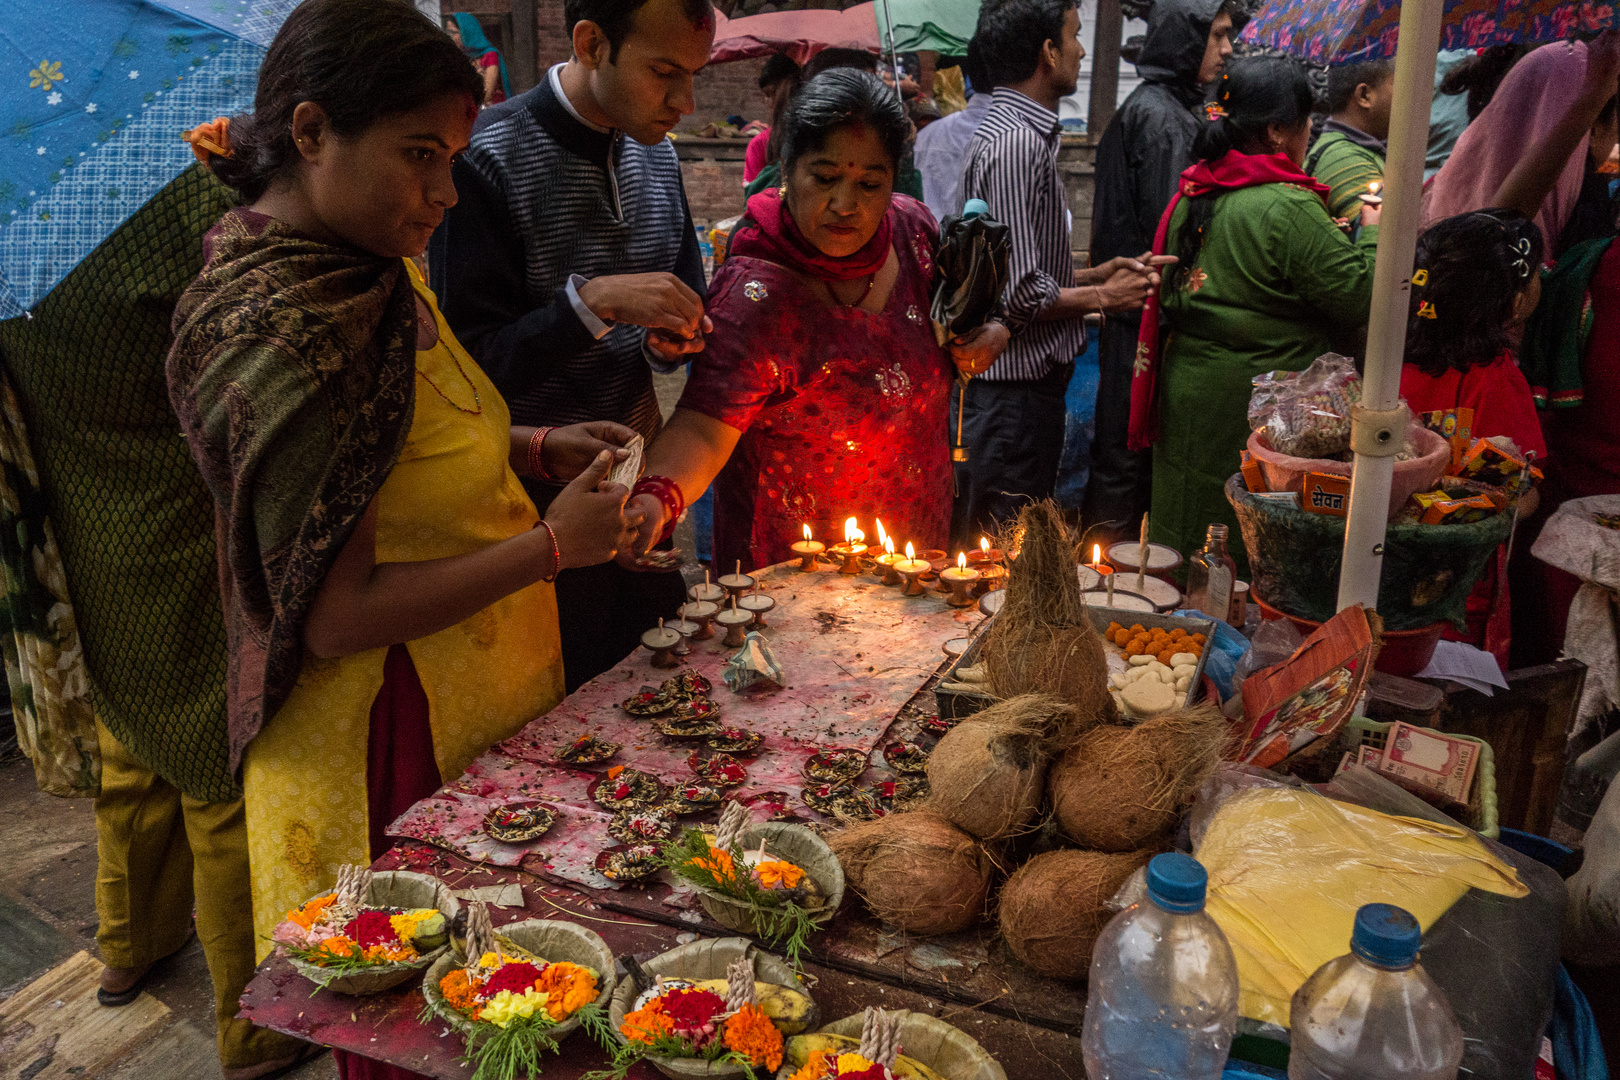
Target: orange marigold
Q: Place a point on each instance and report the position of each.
(775, 872)
(820, 1065)
(459, 993)
(647, 1023)
(718, 863)
(570, 987)
(341, 947)
(750, 1032)
(310, 913)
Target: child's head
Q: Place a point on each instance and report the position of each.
(1475, 283)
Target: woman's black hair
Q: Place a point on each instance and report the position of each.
(1012, 33)
(1469, 270)
(781, 78)
(360, 61)
(1253, 95)
(1479, 75)
(836, 99)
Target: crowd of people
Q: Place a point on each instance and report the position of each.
(387, 540)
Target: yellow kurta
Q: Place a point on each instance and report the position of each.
(451, 492)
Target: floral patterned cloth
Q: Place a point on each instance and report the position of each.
(50, 686)
(844, 413)
(1341, 32)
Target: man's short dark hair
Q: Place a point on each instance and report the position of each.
(973, 68)
(1343, 80)
(1011, 34)
(777, 67)
(615, 16)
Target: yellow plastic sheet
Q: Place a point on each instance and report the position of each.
(1288, 868)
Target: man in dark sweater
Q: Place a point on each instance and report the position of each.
(1139, 162)
(570, 269)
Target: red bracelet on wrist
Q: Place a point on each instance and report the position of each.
(537, 454)
(556, 552)
(667, 492)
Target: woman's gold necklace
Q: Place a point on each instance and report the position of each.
(871, 280)
(478, 402)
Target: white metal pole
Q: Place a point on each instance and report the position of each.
(1386, 329)
(894, 58)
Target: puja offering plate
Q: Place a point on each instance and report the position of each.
(661, 560)
(628, 863)
(626, 789)
(680, 727)
(719, 770)
(823, 796)
(663, 986)
(641, 826)
(936, 725)
(854, 804)
(519, 822)
(733, 740)
(695, 798)
(697, 708)
(906, 758)
(836, 764)
(777, 801)
(687, 685)
(587, 750)
(649, 703)
(900, 793)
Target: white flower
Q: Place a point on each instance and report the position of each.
(134, 74)
(40, 151)
(53, 98)
(90, 107)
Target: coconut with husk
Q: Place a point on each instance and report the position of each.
(1041, 641)
(917, 871)
(1118, 788)
(1053, 907)
(987, 774)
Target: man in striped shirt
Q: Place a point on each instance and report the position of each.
(570, 265)
(1013, 417)
(1349, 154)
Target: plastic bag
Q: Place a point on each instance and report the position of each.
(1306, 414)
(1274, 642)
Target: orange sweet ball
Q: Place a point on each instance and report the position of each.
(1134, 648)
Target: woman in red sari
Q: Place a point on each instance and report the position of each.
(821, 393)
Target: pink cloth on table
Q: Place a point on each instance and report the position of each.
(843, 412)
(1535, 95)
(754, 156)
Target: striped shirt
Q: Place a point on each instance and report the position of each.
(548, 200)
(1012, 165)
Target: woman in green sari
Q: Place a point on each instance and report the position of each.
(1266, 281)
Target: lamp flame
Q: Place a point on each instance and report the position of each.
(888, 545)
(807, 532)
(1096, 554)
(849, 530)
(881, 534)
(961, 560)
(1374, 188)
(984, 544)
(911, 556)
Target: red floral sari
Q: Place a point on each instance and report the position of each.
(843, 412)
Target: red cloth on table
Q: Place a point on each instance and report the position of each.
(400, 772)
(843, 412)
(1500, 397)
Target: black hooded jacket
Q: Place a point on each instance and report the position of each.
(1149, 143)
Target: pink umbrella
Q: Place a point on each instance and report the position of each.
(799, 34)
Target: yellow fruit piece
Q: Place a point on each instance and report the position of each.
(788, 1009)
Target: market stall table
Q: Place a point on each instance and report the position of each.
(860, 661)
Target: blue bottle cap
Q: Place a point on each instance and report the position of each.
(1176, 882)
(975, 207)
(1386, 935)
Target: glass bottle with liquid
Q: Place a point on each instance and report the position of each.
(1210, 574)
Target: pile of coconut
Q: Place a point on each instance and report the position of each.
(1054, 759)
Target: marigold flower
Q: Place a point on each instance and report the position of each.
(777, 874)
(718, 863)
(647, 1023)
(459, 993)
(310, 913)
(343, 948)
(750, 1032)
(855, 1067)
(570, 987)
(819, 1066)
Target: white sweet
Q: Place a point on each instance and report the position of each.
(1184, 671)
(1184, 658)
(1141, 660)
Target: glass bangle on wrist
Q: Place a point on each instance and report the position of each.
(668, 493)
(556, 552)
(537, 454)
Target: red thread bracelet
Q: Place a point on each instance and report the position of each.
(556, 552)
(537, 454)
(667, 492)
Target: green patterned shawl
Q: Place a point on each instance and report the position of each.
(293, 373)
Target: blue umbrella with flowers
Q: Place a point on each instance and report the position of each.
(1348, 31)
(95, 94)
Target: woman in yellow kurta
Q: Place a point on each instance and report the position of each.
(384, 576)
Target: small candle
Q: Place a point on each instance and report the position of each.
(700, 612)
(1373, 196)
(807, 550)
(738, 582)
(961, 580)
(851, 549)
(886, 561)
(662, 641)
(758, 604)
(911, 568)
(707, 591)
(984, 555)
(736, 623)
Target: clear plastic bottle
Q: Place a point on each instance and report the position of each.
(1163, 997)
(1374, 1013)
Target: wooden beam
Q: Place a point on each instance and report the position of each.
(524, 64)
(1104, 67)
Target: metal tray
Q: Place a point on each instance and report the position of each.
(1102, 616)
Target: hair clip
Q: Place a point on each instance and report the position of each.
(1523, 266)
(1213, 111)
(212, 139)
(1426, 311)
(1420, 278)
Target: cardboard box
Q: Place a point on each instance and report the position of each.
(1456, 426)
(1254, 477)
(1311, 694)
(1438, 764)
(1326, 493)
(1489, 464)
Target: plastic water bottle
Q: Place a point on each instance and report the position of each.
(1164, 988)
(1374, 1013)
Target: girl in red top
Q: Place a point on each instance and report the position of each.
(1475, 284)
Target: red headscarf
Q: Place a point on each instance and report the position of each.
(769, 233)
(1230, 172)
